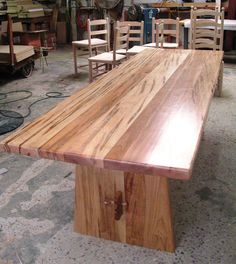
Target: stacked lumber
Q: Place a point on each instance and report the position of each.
(24, 8)
(3, 7)
(31, 10)
(12, 7)
(20, 53)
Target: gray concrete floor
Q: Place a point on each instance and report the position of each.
(37, 196)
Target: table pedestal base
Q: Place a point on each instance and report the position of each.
(125, 207)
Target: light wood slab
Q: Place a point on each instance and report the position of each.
(145, 116)
(20, 52)
(125, 207)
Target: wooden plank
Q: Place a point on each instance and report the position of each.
(20, 52)
(148, 215)
(98, 22)
(77, 105)
(141, 217)
(170, 5)
(95, 203)
(145, 116)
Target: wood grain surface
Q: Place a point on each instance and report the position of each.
(145, 116)
(145, 217)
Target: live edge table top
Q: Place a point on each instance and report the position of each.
(145, 116)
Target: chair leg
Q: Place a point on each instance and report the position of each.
(46, 60)
(75, 58)
(90, 71)
(42, 64)
(40, 61)
(96, 53)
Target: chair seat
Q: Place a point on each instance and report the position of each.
(121, 51)
(136, 49)
(106, 57)
(85, 43)
(165, 45)
(152, 45)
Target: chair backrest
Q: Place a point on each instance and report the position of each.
(99, 29)
(207, 29)
(136, 31)
(121, 39)
(159, 34)
(170, 29)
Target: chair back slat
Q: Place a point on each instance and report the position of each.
(98, 22)
(121, 39)
(162, 29)
(98, 32)
(207, 28)
(99, 28)
(136, 30)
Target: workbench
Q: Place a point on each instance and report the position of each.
(128, 133)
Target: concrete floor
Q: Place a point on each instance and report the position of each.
(37, 196)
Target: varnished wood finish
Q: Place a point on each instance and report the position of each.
(95, 206)
(97, 38)
(121, 40)
(145, 116)
(143, 202)
(148, 214)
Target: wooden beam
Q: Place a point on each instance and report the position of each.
(172, 5)
(125, 207)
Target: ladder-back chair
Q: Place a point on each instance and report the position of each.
(136, 31)
(207, 32)
(207, 29)
(170, 33)
(98, 37)
(121, 40)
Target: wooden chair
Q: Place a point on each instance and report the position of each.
(207, 32)
(121, 40)
(170, 31)
(95, 28)
(207, 29)
(136, 33)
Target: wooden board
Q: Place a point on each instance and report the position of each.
(145, 116)
(125, 207)
(177, 5)
(20, 53)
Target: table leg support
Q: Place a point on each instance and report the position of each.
(218, 90)
(126, 207)
(75, 58)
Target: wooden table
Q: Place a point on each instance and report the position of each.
(128, 133)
